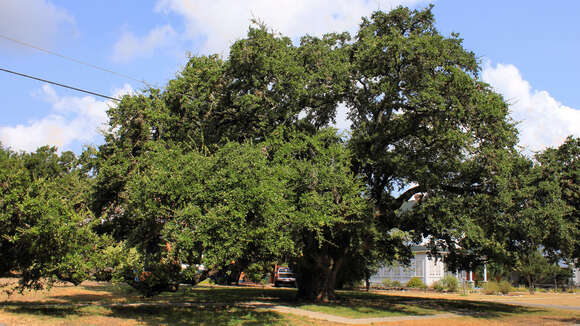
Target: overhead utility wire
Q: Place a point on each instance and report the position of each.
(59, 84)
(75, 60)
(84, 63)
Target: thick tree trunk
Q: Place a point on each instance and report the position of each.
(317, 278)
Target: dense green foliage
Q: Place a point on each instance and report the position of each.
(46, 224)
(234, 165)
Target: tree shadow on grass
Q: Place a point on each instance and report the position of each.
(202, 293)
(83, 298)
(568, 321)
(476, 309)
(351, 302)
(351, 309)
(197, 316)
(221, 305)
(57, 311)
(151, 315)
(241, 294)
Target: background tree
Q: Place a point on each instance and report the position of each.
(14, 180)
(562, 163)
(423, 124)
(46, 222)
(515, 215)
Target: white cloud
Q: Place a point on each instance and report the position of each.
(72, 119)
(220, 22)
(130, 46)
(544, 122)
(34, 21)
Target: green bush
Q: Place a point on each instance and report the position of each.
(415, 282)
(505, 287)
(258, 272)
(387, 282)
(491, 287)
(438, 286)
(450, 283)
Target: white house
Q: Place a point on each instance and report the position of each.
(428, 269)
(576, 276)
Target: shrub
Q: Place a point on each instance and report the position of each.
(450, 283)
(258, 272)
(505, 287)
(438, 286)
(415, 282)
(491, 287)
(387, 282)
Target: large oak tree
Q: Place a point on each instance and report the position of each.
(234, 163)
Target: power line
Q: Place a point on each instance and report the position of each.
(75, 60)
(59, 84)
(82, 63)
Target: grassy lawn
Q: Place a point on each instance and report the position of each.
(143, 315)
(368, 311)
(105, 304)
(355, 304)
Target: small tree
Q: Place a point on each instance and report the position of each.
(532, 267)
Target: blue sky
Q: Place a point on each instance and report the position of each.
(528, 51)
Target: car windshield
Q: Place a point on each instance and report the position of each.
(286, 275)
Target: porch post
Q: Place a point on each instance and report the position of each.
(425, 270)
(485, 272)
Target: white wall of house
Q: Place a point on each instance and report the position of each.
(422, 266)
(576, 278)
